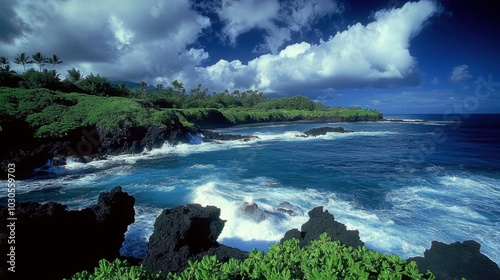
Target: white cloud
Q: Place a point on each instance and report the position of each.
(373, 55)
(277, 18)
(460, 73)
(157, 40)
(121, 38)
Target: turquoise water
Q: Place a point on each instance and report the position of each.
(402, 184)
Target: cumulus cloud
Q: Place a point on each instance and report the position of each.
(460, 73)
(158, 41)
(373, 55)
(279, 19)
(119, 38)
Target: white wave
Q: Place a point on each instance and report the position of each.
(184, 149)
(451, 209)
(405, 120)
(300, 136)
(202, 166)
(231, 196)
(418, 215)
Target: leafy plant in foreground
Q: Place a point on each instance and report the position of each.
(119, 270)
(322, 259)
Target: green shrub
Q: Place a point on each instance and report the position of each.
(95, 85)
(119, 270)
(322, 259)
(44, 79)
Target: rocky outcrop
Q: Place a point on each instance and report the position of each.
(289, 209)
(85, 143)
(251, 210)
(211, 135)
(321, 221)
(457, 260)
(134, 139)
(183, 233)
(52, 242)
(324, 130)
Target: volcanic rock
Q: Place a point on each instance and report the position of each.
(183, 233)
(212, 135)
(252, 211)
(290, 209)
(52, 242)
(324, 130)
(457, 260)
(319, 222)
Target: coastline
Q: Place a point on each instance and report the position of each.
(39, 125)
(189, 233)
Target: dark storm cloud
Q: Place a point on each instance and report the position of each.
(11, 26)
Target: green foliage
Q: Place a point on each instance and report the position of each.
(322, 259)
(7, 77)
(53, 114)
(297, 102)
(74, 76)
(43, 79)
(119, 270)
(95, 85)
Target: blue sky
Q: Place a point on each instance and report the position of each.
(396, 56)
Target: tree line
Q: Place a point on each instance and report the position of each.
(158, 96)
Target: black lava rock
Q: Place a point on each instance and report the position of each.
(324, 130)
(183, 233)
(319, 222)
(212, 135)
(52, 242)
(457, 260)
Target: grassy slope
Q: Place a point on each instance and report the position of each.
(52, 114)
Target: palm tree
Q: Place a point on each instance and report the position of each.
(159, 87)
(4, 63)
(123, 89)
(39, 59)
(74, 76)
(22, 59)
(179, 88)
(54, 60)
(143, 86)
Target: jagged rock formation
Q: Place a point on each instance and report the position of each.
(321, 221)
(212, 135)
(52, 242)
(457, 260)
(324, 130)
(186, 232)
(84, 143)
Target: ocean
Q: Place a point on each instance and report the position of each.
(402, 183)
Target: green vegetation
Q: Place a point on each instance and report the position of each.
(53, 114)
(54, 107)
(119, 270)
(322, 259)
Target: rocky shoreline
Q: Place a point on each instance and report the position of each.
(85, 144)
(31, 155)
(53, 242)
